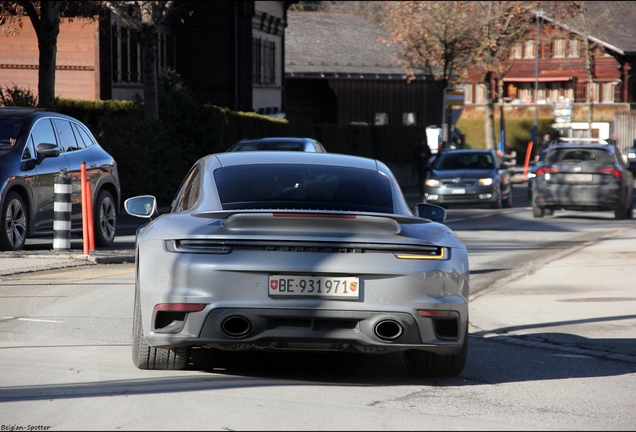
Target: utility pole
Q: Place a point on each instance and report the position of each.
(535, 130)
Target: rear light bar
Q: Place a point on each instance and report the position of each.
(315, 215)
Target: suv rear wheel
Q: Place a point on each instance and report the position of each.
(537, 211)
(106, 220)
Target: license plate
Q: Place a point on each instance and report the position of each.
(458, 191)
(578, 177)
(314, 286)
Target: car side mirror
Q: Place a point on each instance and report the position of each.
(430, 211)
(144, 206)
(48, 150)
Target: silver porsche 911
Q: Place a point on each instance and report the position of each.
(298, 251)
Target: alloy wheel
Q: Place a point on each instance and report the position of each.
(16, 224)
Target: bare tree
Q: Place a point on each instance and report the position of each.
(449, 39)
(589, 20)
(145, 17)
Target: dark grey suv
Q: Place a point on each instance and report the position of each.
(35, 146)
(583, 176)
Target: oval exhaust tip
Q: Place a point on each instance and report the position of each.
(236, 326)
(388, 329)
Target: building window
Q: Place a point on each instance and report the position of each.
(608, 92)
(126, 54)
(480, 94)
(596, 89)
(263, 61)
(553, 91)
(559, 48)
(468, 93)
(381, 119)
(408, 119)
(573, 48)
(515, 52)
(529, 49)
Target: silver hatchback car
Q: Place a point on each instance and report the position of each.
(295, 251)
(469, 177)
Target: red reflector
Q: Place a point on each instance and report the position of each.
(315, 215)
(438, 313)
(180, 307)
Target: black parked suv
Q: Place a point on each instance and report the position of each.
(583, 175)
(35, 146)
(631, 159)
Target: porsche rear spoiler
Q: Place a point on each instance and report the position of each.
(315, 214)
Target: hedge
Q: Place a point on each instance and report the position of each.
(154, 156)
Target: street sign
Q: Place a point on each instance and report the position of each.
(453, 97)
(563, 113)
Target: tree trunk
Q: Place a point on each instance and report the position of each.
(490, 124)
(50, 12)
(590, 86)
(148, 38)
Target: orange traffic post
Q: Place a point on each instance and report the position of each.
(89, 212)
(527, 162)
(84, 209)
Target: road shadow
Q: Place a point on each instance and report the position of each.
(490, 361)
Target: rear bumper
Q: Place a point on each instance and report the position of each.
(322, 330)
(579, 197)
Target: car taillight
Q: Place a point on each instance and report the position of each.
(180, 307)
(544, 170)
(615, 172)
(435, 313)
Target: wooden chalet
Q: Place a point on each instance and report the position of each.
(559, 73)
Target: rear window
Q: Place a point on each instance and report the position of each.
(577, 155)
(457, 161)
(278, 145)
(303, 187)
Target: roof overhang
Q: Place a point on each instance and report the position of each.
(534, 79)
(359, 75)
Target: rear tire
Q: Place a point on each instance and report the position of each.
(537, 212)
(15, 223)
(423, 364)
(508, 201)
(621, 214)
(146, 357)
(105, 220)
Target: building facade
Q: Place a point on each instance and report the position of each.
(229, 53)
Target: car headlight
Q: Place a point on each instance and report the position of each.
(631, 155)
(485, 181)
(431, 182)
